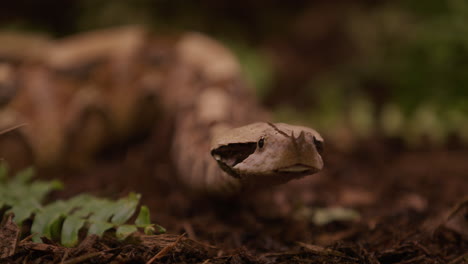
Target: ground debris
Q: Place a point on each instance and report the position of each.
(406, 196)
(166, 248)
(9, 233)
(307, 256)
(458, 219)
(142, 249)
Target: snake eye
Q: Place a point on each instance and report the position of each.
(261, 142)
(318, 145)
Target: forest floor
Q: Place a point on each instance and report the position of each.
(403, 199)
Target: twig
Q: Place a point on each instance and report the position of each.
(320, 250)
(414, 260)
(27, 238)
(64, 257)
(82, 258)
(11, 128)
(423, 248)
(42, 247)
(163, 252)
(459, 258)
(189, 229)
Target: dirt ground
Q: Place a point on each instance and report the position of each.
(403, 198)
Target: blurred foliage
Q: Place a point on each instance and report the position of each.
(401, 69)
(63, 220)
(26, 198)
(97, 14)
(407, 77)
(256, 66)
(432, 67)
(325, 216)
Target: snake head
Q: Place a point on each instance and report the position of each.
(262, 154)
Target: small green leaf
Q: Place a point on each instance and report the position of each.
(327, 215)
(102, 210)
(40, 189)
(24, 176)
(126, 207)
(21, 214)
(70, 228)
(149, 230)
(143, 218)
(124, 231)
(55, 227)
(98, 228)
(3, 171)
(46, 218)
(80, 200)
(56, 185)
(161, 230)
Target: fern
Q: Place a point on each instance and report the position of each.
(62, 220)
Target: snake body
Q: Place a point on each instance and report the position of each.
(79, 93)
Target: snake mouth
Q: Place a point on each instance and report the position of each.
(298, 169)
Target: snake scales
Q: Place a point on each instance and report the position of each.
(78, 94)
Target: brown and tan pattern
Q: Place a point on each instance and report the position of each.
(78, 94)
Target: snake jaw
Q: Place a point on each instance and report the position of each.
(297, 168)
(269, 153)
(228, 156)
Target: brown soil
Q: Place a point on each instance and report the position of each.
(403, 198)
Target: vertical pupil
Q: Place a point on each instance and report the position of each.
(261, 142)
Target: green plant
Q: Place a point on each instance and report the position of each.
(62, 220)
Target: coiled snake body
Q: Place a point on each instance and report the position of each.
(79, 93)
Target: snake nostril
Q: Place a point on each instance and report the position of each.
(318, 145)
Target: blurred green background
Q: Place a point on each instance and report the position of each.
(353, 69)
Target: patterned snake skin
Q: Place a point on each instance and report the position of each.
(79, 94)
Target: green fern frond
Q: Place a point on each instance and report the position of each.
(63, 220)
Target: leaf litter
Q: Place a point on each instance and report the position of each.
(410, 214)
